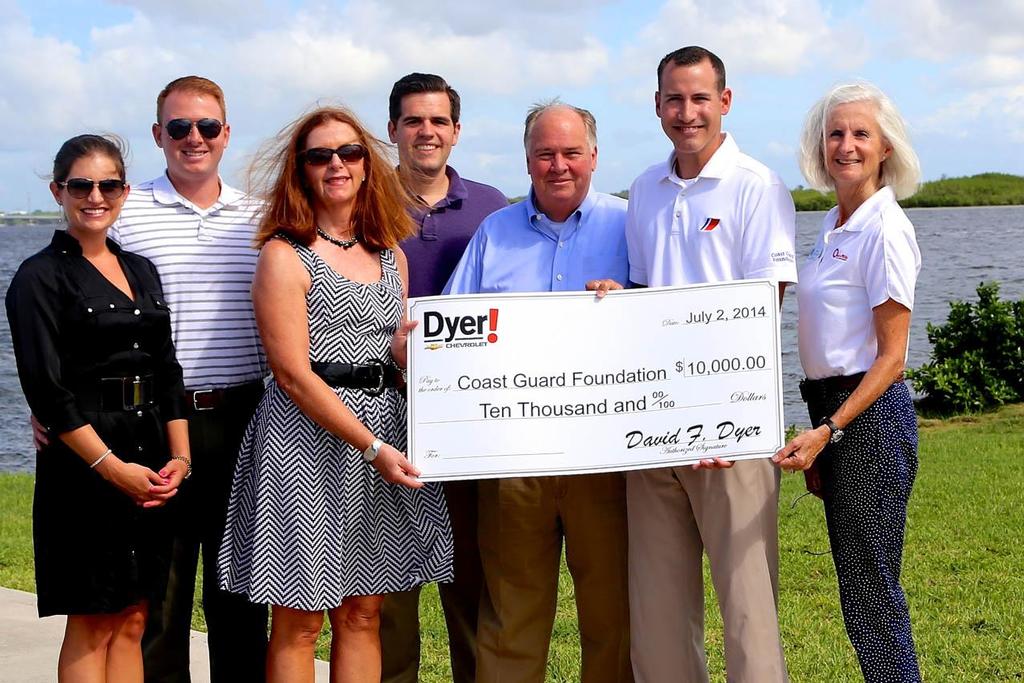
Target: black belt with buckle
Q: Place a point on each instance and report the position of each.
(373, 377)
(117, 393)
(210, 399)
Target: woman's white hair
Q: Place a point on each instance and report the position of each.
(901, 171)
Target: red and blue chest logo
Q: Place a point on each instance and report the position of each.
(710, 224)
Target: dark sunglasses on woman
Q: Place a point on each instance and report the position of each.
(180, 128)
(80, 188)
(321, 156)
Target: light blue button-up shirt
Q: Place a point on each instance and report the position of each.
(516, 249)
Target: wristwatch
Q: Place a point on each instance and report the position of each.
(836, 433)
(372, 450)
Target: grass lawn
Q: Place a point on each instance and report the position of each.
(963, 567)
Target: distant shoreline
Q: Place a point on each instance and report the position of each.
(984, 189)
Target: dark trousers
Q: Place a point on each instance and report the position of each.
(867, 479)
(460, 600)
(237, 629)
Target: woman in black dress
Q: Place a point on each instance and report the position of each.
(92, 339)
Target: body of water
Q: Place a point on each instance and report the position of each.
(960, 248)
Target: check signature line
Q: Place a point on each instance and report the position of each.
(568, 417)
(498, 455)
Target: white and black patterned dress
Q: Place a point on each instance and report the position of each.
(309, 522)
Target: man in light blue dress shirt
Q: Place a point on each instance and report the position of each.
(561, 236)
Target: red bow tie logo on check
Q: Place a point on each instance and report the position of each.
(710, 224)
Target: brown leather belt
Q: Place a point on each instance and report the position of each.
(211, 399)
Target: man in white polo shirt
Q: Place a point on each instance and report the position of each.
(709, 213)
(198, 232)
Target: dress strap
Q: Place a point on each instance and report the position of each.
(305, 253)
(389, 267)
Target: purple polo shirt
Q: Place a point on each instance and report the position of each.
(444, 230)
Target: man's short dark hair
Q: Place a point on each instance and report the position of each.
(693, 55)
(418, 83)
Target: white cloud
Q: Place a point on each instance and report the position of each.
(535, 22)
(783, 37)
(991, 69)
(980, 45)
(945, 30)
(41, 79)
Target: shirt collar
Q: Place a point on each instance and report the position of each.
(457, 190)
(719, 165)
(457, 193)
(864, 215)
(582, 211)
(164, 192)
(63, 241)
(573, 222)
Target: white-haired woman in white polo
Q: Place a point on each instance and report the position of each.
(855, 296)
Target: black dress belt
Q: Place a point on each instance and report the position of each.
(117, 393)
(211, 399)
(373, 377)
(811, 389)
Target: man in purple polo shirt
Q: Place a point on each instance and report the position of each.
(424, 124)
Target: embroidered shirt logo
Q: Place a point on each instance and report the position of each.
(709, 225)
(839, 256)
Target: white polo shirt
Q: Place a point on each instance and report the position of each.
(206, 259)
(851, 270)
(734, 221)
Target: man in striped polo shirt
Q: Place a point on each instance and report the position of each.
(198, 232)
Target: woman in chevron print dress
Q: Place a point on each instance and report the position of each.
(325, 510)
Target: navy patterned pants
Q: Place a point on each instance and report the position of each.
(866, 480)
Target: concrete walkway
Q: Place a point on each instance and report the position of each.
(29, 645)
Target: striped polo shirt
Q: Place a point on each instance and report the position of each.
(206, 259)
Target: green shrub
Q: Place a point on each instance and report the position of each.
(977, 356)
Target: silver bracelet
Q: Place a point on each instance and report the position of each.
(100, 459)
(188, 464)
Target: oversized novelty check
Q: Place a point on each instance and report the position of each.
(563, 383)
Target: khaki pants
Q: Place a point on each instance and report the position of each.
(522, 524)
(674, 515)
(460, 600)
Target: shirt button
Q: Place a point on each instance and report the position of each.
(135, 345)
(559, 277)
(561, 244)
(140, 449)
(111, 306)
(137, 311)
(89, 309)
(139, 413)
(678, 214)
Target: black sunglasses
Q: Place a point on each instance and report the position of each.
(80, 188)
(179, 128)
(321, 156)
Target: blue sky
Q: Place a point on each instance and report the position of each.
(955, 69)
